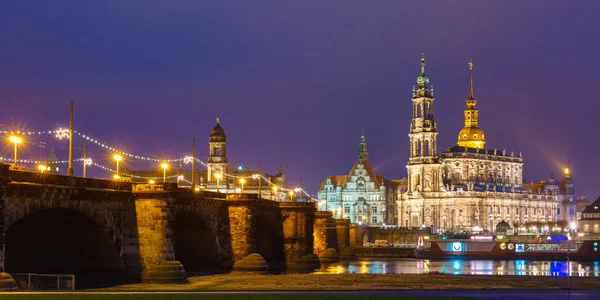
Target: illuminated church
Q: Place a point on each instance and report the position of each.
(467, 187)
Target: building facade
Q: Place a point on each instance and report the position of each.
(361, 195)
(590, 218)
(467, 187)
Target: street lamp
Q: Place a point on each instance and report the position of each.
(291, 195)
(274, 196)
(151, 181)
(16, 140)
(242, 181)
(118, 158)
(218, 177)
(43, 168)
(117, 177)
(165, 166)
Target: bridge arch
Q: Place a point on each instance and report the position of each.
(57, 239)
(269, 238)
(196, 243)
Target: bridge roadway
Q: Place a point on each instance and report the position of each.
(105, 231)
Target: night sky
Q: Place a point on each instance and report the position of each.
(294, 82)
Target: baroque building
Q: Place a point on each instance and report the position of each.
(467, 187)
(362, 196)
(218, 175)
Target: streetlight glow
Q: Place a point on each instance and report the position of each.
(16, 140)
(118, 158)
(291, 196)
(218, 177)
(164, 166)
(43, 168)
(242, 181)
(151, 181)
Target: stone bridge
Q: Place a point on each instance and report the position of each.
(104, 230)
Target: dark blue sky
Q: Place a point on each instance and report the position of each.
(294, 82)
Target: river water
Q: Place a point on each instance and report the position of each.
(463, 266)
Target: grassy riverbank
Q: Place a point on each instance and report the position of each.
(218, 297)
(353, 282)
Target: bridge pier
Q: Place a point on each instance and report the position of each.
(342, 229)
(155, 218)
(297, 231)
(324, 237)
(242, 225)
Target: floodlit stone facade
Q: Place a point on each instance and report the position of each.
(468, 187)
(362, 196)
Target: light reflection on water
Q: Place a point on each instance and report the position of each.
(472, 267)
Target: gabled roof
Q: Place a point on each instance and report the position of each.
(592, 208)
(378, 178)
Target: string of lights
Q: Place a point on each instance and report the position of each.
(133, 175)
(37, 162)
(64, 134)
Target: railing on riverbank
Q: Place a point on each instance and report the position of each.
(39, 282)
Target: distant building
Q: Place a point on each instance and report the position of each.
(218, 166)
(590, 218)
(361, 195)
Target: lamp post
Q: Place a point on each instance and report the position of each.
(164, 166)
(218, 177)
(291, 196)
(242, 181)
(117, 158)
(274, 196)
(16, 140)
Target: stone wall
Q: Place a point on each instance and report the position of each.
(155, 219)
(298, 222)
(342, 229)
(322, 220)
(394, 235)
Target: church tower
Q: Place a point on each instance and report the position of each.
(423, 166)
(217, 159)
(362, 148)
(471, 136)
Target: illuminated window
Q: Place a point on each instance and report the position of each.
(475, 135)
(464, 136)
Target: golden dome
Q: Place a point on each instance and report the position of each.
(471, 137)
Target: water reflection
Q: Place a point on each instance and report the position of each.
(458, 266)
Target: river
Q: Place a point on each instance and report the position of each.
(465, 266)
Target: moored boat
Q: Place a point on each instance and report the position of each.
(509, 250)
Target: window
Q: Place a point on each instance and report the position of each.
(508, 210)
(374, 219)
(491, 208)
(558, 211)
(498, 209)
(374, 209)
(347, 209)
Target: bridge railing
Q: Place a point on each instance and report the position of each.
(37, 282)
(61, 180)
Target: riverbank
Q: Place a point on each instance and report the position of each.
(370, 253)
(356, 282)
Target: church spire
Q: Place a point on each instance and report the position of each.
(471, 136)
(362, 147)
(471, 80)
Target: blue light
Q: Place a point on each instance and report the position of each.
(240, 167)
(595, 244)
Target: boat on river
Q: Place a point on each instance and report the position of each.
(482, 247)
